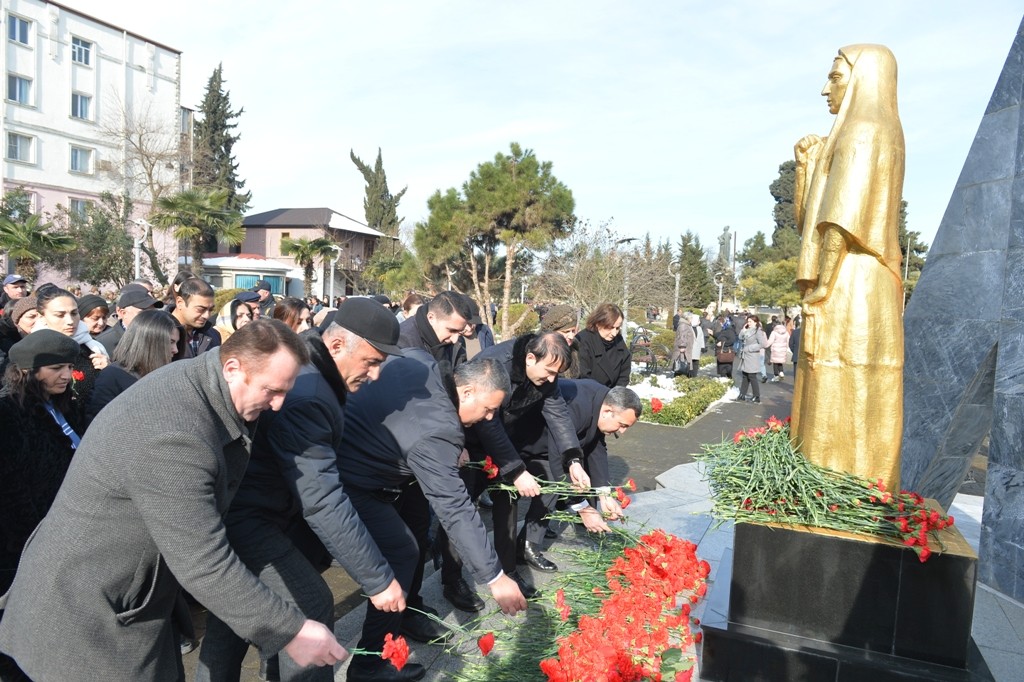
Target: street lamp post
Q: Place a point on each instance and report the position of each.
(337, 254)
(626, 291)
(138, 245)
(673, 269)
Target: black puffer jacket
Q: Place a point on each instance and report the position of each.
(526, 410)
(34, 456)
(293, 472)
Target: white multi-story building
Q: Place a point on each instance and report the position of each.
(82, 96)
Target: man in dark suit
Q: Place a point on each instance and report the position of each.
(141, 510)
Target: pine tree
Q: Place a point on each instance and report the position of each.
(214, 160)
(696, 288)
(380, 205)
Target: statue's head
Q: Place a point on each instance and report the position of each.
(863, 76)
(838, 81)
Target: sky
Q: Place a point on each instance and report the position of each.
(660, 116)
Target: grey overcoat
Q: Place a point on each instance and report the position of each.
(142, 503)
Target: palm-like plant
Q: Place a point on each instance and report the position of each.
(29, 242)
(306, 252)
(199, 216)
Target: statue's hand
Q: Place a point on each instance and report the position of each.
(816, 295)
(806, 147)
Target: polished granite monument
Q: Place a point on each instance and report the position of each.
(964, 330)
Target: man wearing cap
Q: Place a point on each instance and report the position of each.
(141, 511)
(133, 300)
(292, 486)
(15, 287)
(266, 302)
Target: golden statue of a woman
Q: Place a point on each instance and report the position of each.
(848, 398)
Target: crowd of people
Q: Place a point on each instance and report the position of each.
(741, 345)
(153, 449)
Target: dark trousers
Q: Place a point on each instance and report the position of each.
(694, 367)
(280, 560)
(399, 528)
(752, 379)
(776, 368)
(506, 515)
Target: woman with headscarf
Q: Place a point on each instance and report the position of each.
(847, 401)
(233, 315)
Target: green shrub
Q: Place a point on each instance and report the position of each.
(707, 359)
(698, 393)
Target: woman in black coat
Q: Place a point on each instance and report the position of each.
(725, 341)
(58, 310)
(603, 355)
(39, 431)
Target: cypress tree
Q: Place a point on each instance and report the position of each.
(380, 205)
(214, 160)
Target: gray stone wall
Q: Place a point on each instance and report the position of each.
(964, 367)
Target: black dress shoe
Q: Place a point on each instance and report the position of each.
(485, 500)
(422, 628)
(528, 590)
(531, 555)
(462, 597)
(372, 669)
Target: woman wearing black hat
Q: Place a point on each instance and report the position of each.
(38, 435)
(93, 310)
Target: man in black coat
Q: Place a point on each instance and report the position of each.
(401, 448)
(292, 486)
(437, 328)
(596, 412)
(533, 363)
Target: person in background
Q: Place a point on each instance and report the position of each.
(15, 287)
(410, 305)
(149, 344)
(603, 354)
(267, 301)
(233, 316)
(293, 312)
(93, 311)
(172, 290)
(39, 431)
(192, 307)
(18, 319)
(562, 318)
(753, 341)
(134, 299)
(477, 336)
(777, 346)
(697, 348)
(682, 351)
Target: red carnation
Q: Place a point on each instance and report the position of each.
(656, 405)
(490, 468)
(631, 485)
(78, 375)
(396, 650)
(486, 643)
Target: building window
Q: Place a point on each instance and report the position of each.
(19, 89)
(17, 29)
(80, 105)
(81, 51)
(79, 207)
(81, 160)
(19, 147)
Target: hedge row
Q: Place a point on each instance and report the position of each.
(698, 393)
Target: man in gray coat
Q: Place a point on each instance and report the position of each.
(141, 510)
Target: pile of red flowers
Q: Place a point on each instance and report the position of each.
(761, 477)
(640, 629)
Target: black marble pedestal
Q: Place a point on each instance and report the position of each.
(794, 603)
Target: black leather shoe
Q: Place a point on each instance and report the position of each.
(756, 400)
(421, 628)
(370, 669)
(485, 500)
(462, 597)
(528, 590)
(531, 555)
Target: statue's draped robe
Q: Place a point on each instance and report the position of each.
(848, 397)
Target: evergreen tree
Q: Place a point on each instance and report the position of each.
(910, 266)
(783, 189)
(215, 167)
(380, 205)
(696, 288)
(755, 251)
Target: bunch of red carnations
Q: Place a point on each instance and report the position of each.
(641, 630)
